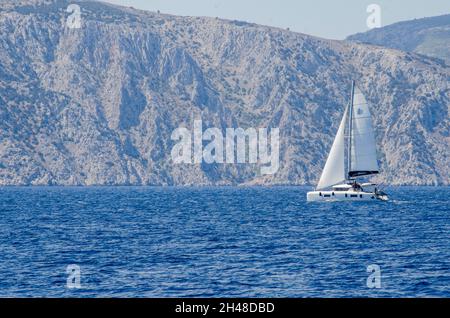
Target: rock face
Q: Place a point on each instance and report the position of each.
(427, 36)
(97, 105)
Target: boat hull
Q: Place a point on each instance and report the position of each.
(318, 196)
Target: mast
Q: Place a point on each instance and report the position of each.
(350, 124)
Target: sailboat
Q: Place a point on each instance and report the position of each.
(353, 155)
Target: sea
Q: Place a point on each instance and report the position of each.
(221, 242)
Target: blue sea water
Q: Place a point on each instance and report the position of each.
(221, 242)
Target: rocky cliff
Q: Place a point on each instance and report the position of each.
(97, 105)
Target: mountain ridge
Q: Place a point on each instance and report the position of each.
(428, 36)
(97, 105)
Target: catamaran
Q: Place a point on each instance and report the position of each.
(339, 177)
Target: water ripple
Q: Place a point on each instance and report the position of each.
(221, 242)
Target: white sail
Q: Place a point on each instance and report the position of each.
(334, 171)
(363, 147)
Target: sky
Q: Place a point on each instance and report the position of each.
(325, 18)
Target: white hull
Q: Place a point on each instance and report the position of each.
(318, 196)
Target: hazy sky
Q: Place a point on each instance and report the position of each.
(326, 18)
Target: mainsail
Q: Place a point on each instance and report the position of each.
(363, 154)
(334, 171)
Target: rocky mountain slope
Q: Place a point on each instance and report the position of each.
(97, 105)
(427, 36)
